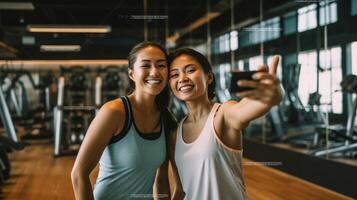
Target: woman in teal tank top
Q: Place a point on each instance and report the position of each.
(127, 137)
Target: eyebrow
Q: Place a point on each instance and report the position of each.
(183, 67)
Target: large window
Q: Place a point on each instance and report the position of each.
(271, 29)
(307, 18)
(244, 38)
(224, 70)
(354, 58)
(234, 40)
(255, 62)
(240, 65)
(330, 77)
(308, 75)
(215, 46)
(290, 23)
(255, 33)
(353, 7)
(328, 12)
(225, 43)
(261, 32)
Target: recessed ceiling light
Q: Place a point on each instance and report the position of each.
(75, 48)
(68, 29)
(16, 6)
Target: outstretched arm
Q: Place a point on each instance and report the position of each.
(267, 92)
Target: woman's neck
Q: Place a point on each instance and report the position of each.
(198, 109)
(145, 103)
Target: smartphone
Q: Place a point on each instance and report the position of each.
(236, 76)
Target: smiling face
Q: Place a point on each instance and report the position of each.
(188, 81)
(149, 71)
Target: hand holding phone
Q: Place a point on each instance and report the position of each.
(237, 76)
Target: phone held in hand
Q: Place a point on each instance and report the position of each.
(237, 76)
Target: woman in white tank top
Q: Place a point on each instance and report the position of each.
(207, 149)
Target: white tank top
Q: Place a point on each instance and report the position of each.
(208, 169)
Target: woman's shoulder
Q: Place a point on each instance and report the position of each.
(229, 103)
(114, 108)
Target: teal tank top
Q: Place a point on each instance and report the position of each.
(128, 165)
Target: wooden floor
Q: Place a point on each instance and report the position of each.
(37, 175)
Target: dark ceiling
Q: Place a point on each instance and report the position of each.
(125, 18)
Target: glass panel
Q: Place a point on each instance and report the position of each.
(330, 11)
(307, 18)
(330, 61)
(354, 58)
(234, 40)
(353, 7)
(308, 75)
(255, 62)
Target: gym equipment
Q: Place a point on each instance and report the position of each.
(109, 83)
(38, 121)
(349, 140)
(6, 118)
(74, 109)
(35, 120)
(290, 121)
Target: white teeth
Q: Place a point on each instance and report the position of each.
(185, 88)
(153, 81)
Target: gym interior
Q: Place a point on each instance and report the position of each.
(60, 61)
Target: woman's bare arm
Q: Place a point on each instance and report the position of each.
(109, 120)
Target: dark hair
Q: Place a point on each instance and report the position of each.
(202, 60)
(162, 99)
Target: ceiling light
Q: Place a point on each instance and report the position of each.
(75, 48)
(16, 6)
(68, 29)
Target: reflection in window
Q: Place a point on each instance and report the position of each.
(307, 18)
(308, 75)
(353, 7)
(330, 63)
(290, 23)
(330, 10)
